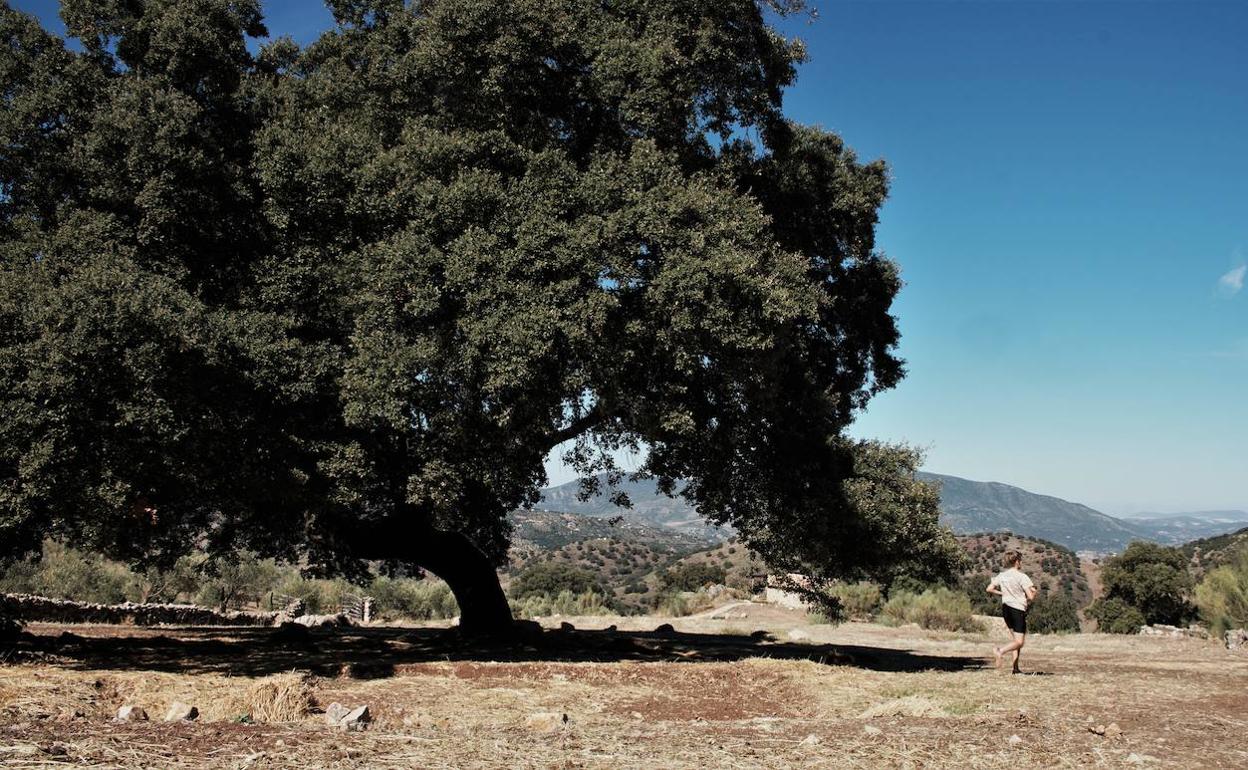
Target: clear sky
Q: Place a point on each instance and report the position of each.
(1070, 209)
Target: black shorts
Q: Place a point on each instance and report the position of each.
(1015, 619)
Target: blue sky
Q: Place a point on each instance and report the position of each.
(1070, 209)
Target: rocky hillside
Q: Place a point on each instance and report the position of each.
(1053, 567)
(552, 529)
(1207, 553)
(743, 569)
(649, 506)
(615, 562)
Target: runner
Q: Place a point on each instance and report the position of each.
(1016, 591)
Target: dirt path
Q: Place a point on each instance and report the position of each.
(858, 695)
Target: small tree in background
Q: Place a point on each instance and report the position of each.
(1222, 596)
(553, 578)
(1115, 616)
(1153, 579)
(1053, 613)
(691, 577)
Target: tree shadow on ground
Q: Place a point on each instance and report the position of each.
(376, 652)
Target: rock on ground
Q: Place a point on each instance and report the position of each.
(180, 711)
(334, 713)
(356, 719)
(1237, 639)
(131, 714)
(545, 721)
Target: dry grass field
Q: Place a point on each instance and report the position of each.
(709, 695)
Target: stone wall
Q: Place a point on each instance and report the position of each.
(24, 607)
(1174, 632)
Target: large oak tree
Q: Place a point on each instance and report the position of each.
(339, 303)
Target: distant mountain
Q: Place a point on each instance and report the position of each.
(648, 506)
(550, 530)
(968, 507)
(1179, 528)
(1215, 517)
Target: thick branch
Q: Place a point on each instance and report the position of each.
(575, 428)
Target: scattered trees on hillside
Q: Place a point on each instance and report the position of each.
(337, 304)
(552, 577)
(691, 576)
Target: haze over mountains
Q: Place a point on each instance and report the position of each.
(968, 507)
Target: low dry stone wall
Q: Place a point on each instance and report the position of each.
(24, 607)
(1174, 632)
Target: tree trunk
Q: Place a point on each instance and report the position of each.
(483, 608)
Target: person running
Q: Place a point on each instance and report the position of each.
(1016, 591)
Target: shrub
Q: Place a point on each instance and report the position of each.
(936, 608)
(1115, 616)
(982, 602)
(1222, 596)
(1053, 614)
(320, 596)
(907, 584)
(1153, 579)
(554, 578)
(427, 599)
(563, 603)
(61, 572)
(691, 577)
(858, 600)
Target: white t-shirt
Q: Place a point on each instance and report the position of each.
(1013, 584)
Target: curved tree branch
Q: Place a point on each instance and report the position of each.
(575, 428)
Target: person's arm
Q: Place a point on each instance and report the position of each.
(1030, 590)
(993, 589)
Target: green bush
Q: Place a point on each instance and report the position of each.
(1153, 579)
(974, 587)
(563, 603)
(320, 596)
(238, 580)
(1115, 616)
(907, 584)
(1222, 596)
(858, 600)
(553, 578)
(671, 603)
(1053, 614)
(426, 599)
(936, 608)
(691, 577)
(61, 572)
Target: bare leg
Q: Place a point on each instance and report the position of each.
(1021, 639)
(1013, 648)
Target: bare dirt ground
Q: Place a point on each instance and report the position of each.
(708, 695)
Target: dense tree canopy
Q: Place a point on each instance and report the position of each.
(339, 303)
(1153, 579)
